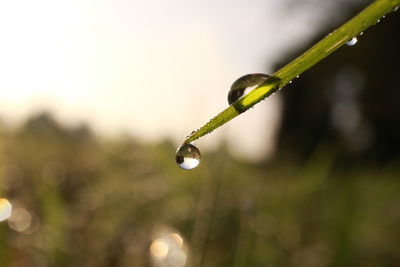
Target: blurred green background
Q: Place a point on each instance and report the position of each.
(329, 196)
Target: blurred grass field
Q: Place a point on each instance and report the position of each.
(86, 201)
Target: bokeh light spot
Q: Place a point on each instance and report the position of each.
(20, 220)
(5, 209)
(159, 248)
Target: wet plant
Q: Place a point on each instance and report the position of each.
(345, 34)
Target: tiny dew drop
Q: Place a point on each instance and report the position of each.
(245, 85)
(352, 41)
(396, 8)
(188, 156)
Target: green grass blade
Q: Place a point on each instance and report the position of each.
(369, 16)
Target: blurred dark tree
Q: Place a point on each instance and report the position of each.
(349, 102)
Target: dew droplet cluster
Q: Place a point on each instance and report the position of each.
(188, 156)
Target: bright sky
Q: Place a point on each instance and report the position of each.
(152, 68)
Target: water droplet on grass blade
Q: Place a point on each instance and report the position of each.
(188, 156)
(352, 41)
(244, 85)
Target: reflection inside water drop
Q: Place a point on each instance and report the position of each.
(352, 41)
(188, 156)
(244, 85)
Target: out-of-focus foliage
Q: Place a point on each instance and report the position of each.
(85, 201)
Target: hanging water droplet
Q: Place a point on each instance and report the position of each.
(187, 156)
(352, 41)
(245, 85)
(396, 8)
